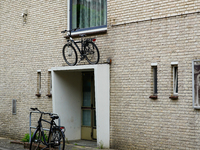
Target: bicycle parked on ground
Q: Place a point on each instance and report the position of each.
(88, 51)
(55, 139)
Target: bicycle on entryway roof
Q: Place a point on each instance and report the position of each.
(88, 50)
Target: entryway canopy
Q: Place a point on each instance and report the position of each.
(67, 99)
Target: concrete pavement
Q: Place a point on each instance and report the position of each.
(7, 144)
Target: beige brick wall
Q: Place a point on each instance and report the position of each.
(130, 10)
(137, 122)
(26, 48)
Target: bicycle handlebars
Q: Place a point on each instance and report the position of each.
(70, 30)
(36, 109)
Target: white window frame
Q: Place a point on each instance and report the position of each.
(50, 82)
(175, 77)
(39, 80)
(80, 32)
(195, 82)
(154, 65)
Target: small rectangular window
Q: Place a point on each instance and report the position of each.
(38, 83)
(196, 83)
(14, 110)
(154, 87)
(155, 90)
(175, 80)
(49, 92)
(88, 14)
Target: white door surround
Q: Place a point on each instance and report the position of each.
(67, 98)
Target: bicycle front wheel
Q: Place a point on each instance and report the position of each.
(92, 53)
(36, 141)
(70, 55)
(57, 140)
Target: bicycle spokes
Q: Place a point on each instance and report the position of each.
(69, 51)
(70, 55)
(92, 53)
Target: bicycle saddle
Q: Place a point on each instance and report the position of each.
(82, 35)
(54, 117)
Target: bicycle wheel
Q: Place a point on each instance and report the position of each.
(57, 140)
(36, 141)
(70, 55)
(92, 53)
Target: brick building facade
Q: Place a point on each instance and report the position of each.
(139, 35)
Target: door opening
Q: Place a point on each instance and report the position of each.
(88, 109)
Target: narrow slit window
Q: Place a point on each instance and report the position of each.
(155, 90)
(175, 80)
(196, 83)
(49, 92)
(38, 83)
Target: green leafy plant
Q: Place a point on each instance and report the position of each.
(100, 145)
(45, 135)
(27, 137)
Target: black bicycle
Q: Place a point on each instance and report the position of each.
(88, 51)
(55, 139)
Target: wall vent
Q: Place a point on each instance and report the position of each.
(14, 110)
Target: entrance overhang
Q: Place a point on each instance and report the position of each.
(66, 99)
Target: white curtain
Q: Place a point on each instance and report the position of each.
(88, 13)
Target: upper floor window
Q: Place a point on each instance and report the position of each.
(88, 14)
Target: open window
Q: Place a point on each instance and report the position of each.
(196, 83)
(87, 14)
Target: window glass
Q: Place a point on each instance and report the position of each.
(39, 83)
(86, 118)
(86, 91)
(155, 80)
(175, 76)
(196, 83)
(88, 13)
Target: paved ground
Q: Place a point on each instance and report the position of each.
(5, 144)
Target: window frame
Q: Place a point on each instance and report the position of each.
(193, 85)
(49, 88)
(85, 30)
(155, 80)
(175, 79)
(14, 106)
(154, 75)
(39, 83)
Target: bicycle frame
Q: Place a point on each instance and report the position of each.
(52, 126)
(88, 49)
(75, 43)
(39, 127)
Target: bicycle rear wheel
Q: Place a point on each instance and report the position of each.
(92, 53)
(57, 140)
(70, 55)
(36, 141)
